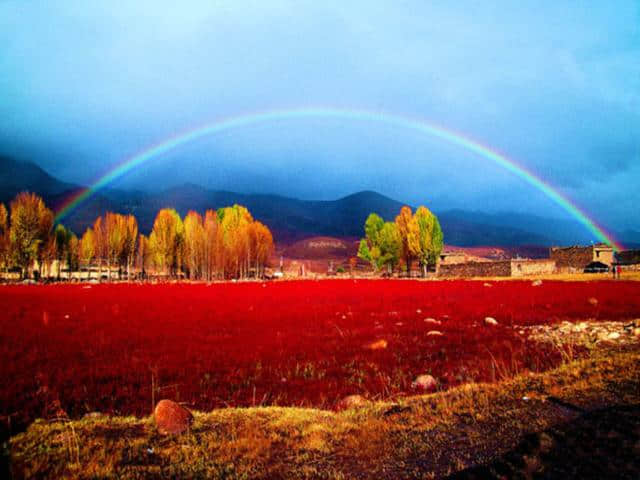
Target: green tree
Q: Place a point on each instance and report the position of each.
(390, 246)
(430, 238)
(382, 245)
(369, 248)
(62, 237)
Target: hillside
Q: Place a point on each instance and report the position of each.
(291, 219)
(567, 423)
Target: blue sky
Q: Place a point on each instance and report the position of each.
(554, 85)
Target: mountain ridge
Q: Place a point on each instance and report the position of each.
(290, 219)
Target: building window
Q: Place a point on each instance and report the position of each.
(597, 253)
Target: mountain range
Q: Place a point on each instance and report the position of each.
(292, 219)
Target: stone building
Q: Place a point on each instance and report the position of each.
(501, 268)
(575, 259)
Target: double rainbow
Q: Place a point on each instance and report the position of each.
(417, 125)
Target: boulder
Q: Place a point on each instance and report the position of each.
(424, 383)
(171, 418)
(351, 401)
(536, 283)
(490, 321)
(432, 321)
(613, 336)
(434, 333)
(593, 301)
(377, 345)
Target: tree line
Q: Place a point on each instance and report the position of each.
(224, 243)
(398, 244)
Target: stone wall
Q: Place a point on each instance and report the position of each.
(571, 258)
(476, 269)
(520, 268)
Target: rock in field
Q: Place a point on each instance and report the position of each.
(490, 321)
(351, 401)
(434, 333)
(593, 301)
(432, 321)
(171, 418)
(377, 345)
(536, 283)
(425, 383)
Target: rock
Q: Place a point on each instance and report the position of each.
(487, 284)
(351, 401)
(636, 331)
(93, 415)
(377, 345)
(490, 321)
(171, 418)
(434, 333)
(613, 336)
(425, 383)
(593, 301)
(536, 283)
(432, 321)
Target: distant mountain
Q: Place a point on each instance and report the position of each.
(292, 219)
(16, 176)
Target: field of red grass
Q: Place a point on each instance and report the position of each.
(81, 348)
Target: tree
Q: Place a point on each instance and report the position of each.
(100, 242)
(430, 238)
(31, 223)
(369, 248)
(390, 245)
(61, 237)
(128, 253)
(409, 235)
(214, 245)
(194, 245)
(115, 229)
(381, 245)
(73, 254)
(166, 240)
(143, 256)
(4, 237)
(87, 250)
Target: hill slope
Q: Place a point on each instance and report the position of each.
(290, 219)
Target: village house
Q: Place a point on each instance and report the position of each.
(575, 259)
(517, 267)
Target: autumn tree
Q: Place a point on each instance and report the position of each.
(214, 245)
(87, 250)
(4, 237)
(31, 223)
(143, 255)
(62, 239)
(409, 235)
(166, 240)
(128, 252)
(100, 242)
(261, 246)
(73, 254)
(194, 245)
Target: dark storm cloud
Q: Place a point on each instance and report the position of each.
(553, 85)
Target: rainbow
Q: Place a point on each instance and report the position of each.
(394, 120)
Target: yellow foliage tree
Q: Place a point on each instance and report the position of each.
(31, 223)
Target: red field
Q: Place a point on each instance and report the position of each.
(78, 349)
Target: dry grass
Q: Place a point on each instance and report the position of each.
(410, 439)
